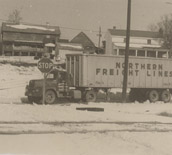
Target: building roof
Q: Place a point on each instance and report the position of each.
(70, 46)
(134, 33)
(83, 39)
(123, 45)
(26, 28)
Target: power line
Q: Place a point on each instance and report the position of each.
(94, 31)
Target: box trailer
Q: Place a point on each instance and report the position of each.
(148, 78)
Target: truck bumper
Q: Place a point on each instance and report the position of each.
(33, 92)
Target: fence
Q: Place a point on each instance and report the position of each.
(18, 59)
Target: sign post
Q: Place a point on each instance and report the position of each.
(45, 65)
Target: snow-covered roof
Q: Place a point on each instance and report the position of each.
(137, 45)
(50, 45)
(21, 26)
(28, 41)
(25, 28)
(135, 33)
(70, 46)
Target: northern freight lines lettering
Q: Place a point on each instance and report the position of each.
(134, 69)
(138, 66)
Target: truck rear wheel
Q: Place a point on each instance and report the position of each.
(153, 96)
(50, 97)
(90, 96)
(165, 96)
(137, 95)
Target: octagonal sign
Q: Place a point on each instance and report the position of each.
(45, 65)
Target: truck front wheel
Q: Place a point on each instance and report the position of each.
(50, 97)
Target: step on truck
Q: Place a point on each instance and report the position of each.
(148, 78)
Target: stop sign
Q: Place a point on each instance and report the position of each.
(45, 65)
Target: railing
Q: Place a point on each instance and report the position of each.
(18, 59)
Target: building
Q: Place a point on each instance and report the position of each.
(85, 41)
(142, 43)
(27, 40)
(68, 48)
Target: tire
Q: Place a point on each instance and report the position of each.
(137, 95)
(108, 97)
(132, 95)
(50, 97)
(30, 99)
(165, 96)
(90, 96)
(153, 96)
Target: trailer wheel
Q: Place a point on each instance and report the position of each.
(137, 95)
(50, 97)
(91, 96)
(132, 95)
(165, 96)
(153, 96)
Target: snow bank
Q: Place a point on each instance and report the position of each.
(13, 80)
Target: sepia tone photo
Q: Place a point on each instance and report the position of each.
(86, 77)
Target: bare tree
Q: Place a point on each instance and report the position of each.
(164, 26)
(15, 16)
(153, 27)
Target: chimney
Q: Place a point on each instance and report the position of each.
(47, 24)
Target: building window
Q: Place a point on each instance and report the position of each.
(8, 53)
(151, 54)
(16, 53)
(39, 55)
(121, 51)
(24, 54)
(162, 54)
(124, 40)
(132, 52)
(114, 52)
(32, 53)
(141, 53)
(149, 41)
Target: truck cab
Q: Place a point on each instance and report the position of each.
(56, 87)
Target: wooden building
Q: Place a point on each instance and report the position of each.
(27, 40)
(85, 41)
(142, 43)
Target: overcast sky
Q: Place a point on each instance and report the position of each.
(87, 14)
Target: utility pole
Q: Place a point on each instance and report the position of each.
(99, 35)
(125, 78)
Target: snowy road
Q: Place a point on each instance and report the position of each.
(60, 129)
(88, 143)
(81, 127)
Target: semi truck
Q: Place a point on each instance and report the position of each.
(86, 74)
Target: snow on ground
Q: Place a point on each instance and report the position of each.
(87, 144)
(13, 80)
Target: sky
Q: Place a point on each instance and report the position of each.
(74, 16)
